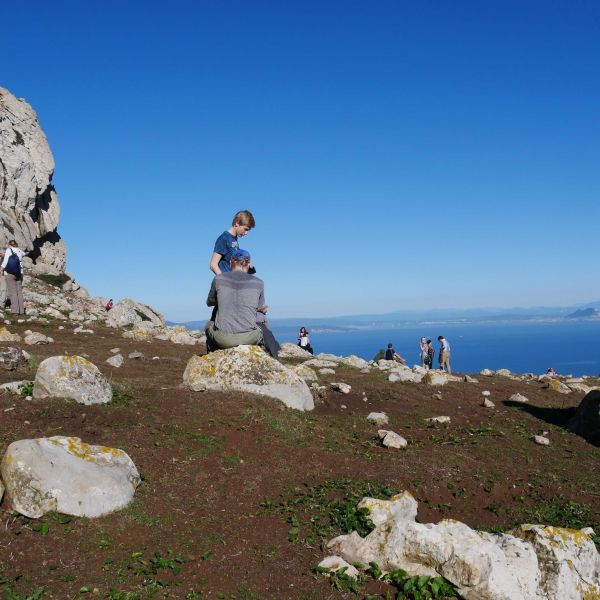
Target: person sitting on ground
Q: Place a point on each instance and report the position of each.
(238, 297)
(390, 354)
(550, 372)
(304, 340)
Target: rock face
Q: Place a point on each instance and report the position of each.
(29, 208)
(247, 369)
(129, 312)
(71, 377)
(532, 562)
(66, 475)
(586, 421)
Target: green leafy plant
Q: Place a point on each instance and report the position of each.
(26, 388)
(417, 587)
(10, 595)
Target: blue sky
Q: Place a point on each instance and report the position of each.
(395, 155)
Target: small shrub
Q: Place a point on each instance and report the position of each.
(55, 280)
(27, 388)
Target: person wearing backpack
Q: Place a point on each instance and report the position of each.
(12, 269)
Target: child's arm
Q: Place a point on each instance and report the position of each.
(214, 263)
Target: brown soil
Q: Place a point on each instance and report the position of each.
(225, 475)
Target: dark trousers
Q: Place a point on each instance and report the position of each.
(270, 343)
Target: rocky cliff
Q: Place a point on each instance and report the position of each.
(29, 209)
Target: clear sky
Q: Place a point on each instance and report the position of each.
(395, 154)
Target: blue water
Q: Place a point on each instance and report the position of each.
(523, 347)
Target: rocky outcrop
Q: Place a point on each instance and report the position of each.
(247, 369)
(532, 562)
(29, 209)
(586, 421)
(66, 475)
(72, 377)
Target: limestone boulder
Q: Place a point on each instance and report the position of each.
(72, 377)
(586, 421)
(519, 398)
(319, 363)
(558, 386)
(355, 361)
(405, 376)
(7, 336)
(293, 351)
(184, 338)
(34, 338)
(336, 563)
(341, 387)
(434, 377)
(378, 418)
(116, 360)
(532, 562)
(391, 439)
(123, 313)
(248, 369)
(304, 372)
(66, 475)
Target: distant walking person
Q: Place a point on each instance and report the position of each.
(304, 340)
(391, 354)
(12, 269)
(444, 354)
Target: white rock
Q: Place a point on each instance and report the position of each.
(323, 371)
(248, 368)
(305, 372)
(293, 351)
(405, 376)
(78, 330)
(531, 563)
(518, 398)
(116, 360)
(442, 419)
(487, 403)
(13, 386)
(71, 377)
(318, 363)
(335, 563)
(66, 475)
(434, 377)
(486, 372)
(338, 386)
(37, 339)
(541, 440)
(7, 336)
(355, 361)
(379, 418)
(558, 386)
(391, 439)
(183, 338)
(486, 393)
(469, 379)
(115, 350)
(136, 355)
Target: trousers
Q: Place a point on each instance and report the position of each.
(14, 286)
(217, 339)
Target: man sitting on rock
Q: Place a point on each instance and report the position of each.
(238, 297)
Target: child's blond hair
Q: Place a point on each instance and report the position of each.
(243, 217)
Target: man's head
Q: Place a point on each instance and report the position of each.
(240, 260)
(390, 346)
(440, 338)
(242, 223)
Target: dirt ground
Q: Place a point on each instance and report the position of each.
(239, 493)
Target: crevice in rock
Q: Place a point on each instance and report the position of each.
(42, 202)
(51, 236)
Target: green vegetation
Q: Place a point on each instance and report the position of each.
(55, 280)
(27, 388)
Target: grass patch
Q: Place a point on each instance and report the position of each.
(55, 280)
(329, 508)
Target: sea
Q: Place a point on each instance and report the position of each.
(570, 347)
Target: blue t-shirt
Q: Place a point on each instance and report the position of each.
(225, 246)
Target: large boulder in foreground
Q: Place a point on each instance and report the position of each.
(66, 475)
(71, 377)
(247, 369)
(532, 562)
(586, 421)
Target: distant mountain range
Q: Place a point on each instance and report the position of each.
(588, 311)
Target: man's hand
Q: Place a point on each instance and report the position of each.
(263, 309)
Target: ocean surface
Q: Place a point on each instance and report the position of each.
(570, 347)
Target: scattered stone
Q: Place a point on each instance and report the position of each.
(136, 355)
(541, 440)
(442, 419)
(379, 418)
(115, 350)
(437, 396)
(486, 372)
(71, 377)
(248, 369)
(116, 360)
(531, 562)
(487, 403)
(518, 398)
(580, 388)
(405, 376)
(78, 330)
(7, 336)
(344, 388)
(66, 475)
(391, 439)
(305, 372)
(355, 361)
(323, 371)
(434, 377)
(156, 358)
(11, 358)
(558, 386)
(34, 338)
(14, 386)
(318, 363)
(293, 351)
(469, 379)
(486, 393)
(503, 372)
(335, 563)
(184, 338)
